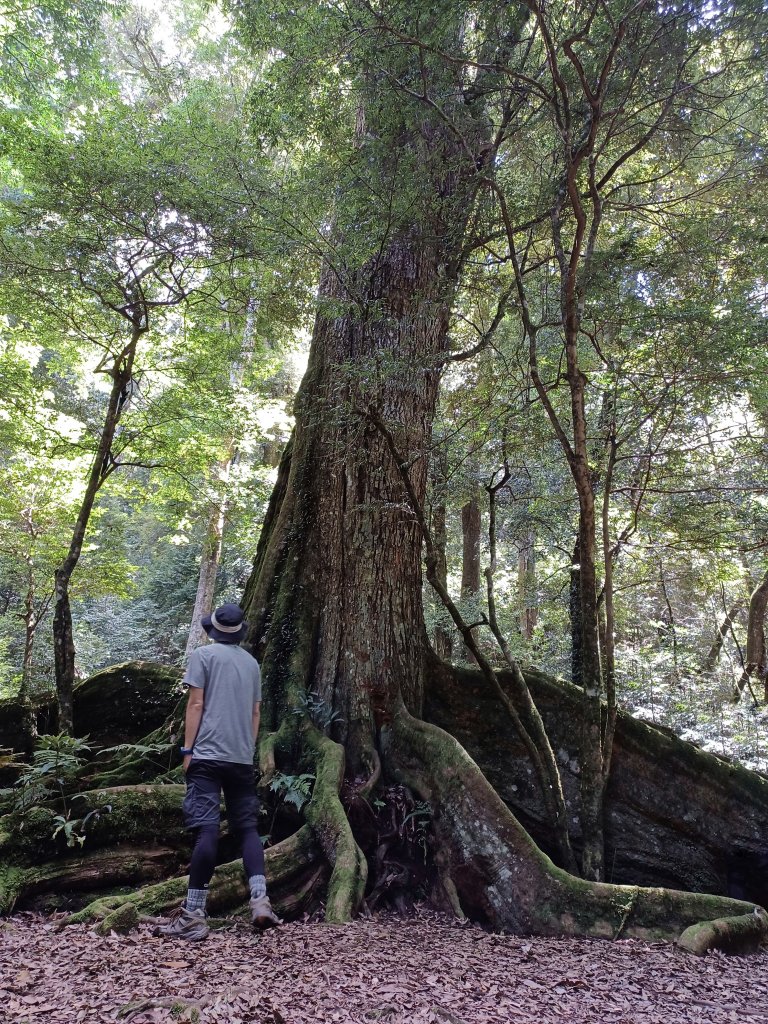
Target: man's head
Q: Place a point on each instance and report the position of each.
(226, 624)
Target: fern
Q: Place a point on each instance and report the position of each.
(293, 789)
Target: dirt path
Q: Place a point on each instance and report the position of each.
(426, 969)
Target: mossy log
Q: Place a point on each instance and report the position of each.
(102, 869)
(676, 816)
(133, 834)
(125, 814)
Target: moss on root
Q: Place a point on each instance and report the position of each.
(12, 880)
(328, 820)
(733, 934)
(501, 875)
(123, 919)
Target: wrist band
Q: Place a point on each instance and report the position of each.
(186, 750)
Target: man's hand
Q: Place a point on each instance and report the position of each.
(186, 762)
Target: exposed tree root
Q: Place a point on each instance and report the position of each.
(267, 765)
(501, 875)
(734, 934)
(707, 830)
(328, 820)
(294, 874)
(175, 1004)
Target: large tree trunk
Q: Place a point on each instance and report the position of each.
(335, 598)
(334, 605)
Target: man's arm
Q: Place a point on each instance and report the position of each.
(192, 719)
(256, 720)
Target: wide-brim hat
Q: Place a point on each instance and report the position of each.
(226, 624)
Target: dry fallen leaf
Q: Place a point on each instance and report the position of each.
(380, 970)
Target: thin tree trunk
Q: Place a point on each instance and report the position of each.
(671, 620)
(210, 558)
(713, 654)
(544, 760)
(31, 619)
(103, 465)
(471, 525)
(442, 637)
(526, 585)
(574, 614)
(756, 660)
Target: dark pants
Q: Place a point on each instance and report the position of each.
(206, 780)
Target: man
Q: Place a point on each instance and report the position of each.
(220, 730)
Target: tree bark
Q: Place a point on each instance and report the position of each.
(471, 526)
(756, 661)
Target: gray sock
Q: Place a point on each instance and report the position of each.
(257, 885)
(196, 899)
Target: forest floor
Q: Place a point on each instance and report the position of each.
(425, 969)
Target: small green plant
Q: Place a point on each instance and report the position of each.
(74, 829)
(48, 780)
(317, 710)
(415, 825)
(55, 765)
(292, 789)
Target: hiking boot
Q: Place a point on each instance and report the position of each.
(184, 924)
(262, 914)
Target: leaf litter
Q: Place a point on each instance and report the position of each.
(426, 968)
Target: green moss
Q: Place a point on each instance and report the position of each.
(122, 920)
(734, 934)
(12, 880)
(328, 820)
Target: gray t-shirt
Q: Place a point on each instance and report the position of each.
(231, 680)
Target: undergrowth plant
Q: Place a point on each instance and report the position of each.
(48, 780)
(317, 710)
(56, 764)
